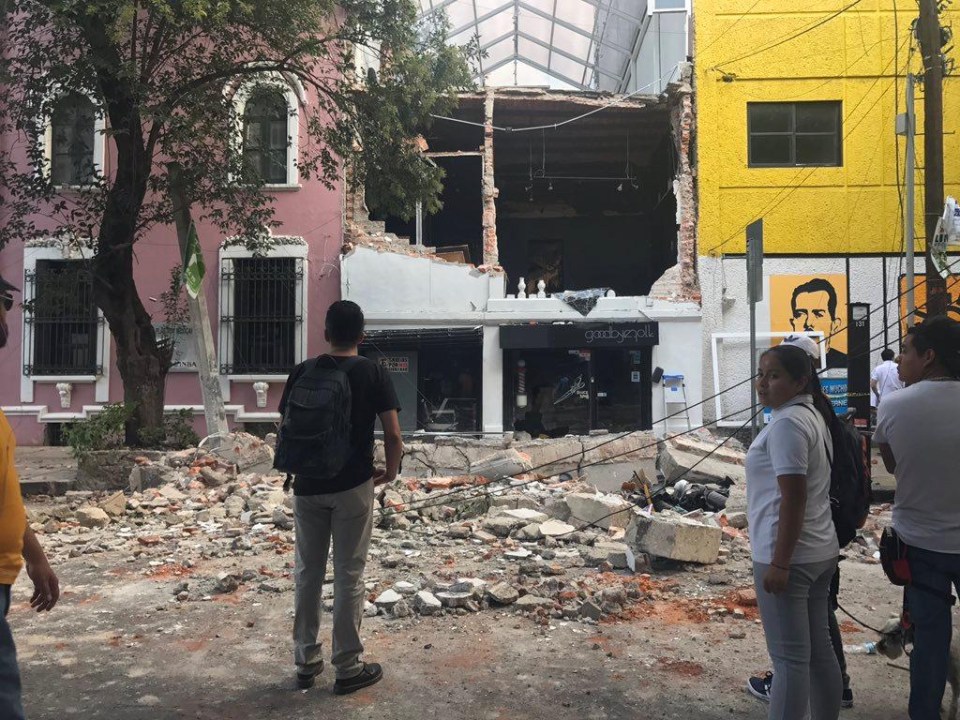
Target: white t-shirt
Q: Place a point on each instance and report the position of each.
(887, 378)
(920, 424)
(794, 443)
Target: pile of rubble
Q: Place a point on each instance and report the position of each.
(218, 521)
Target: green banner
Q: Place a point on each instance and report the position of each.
(193, 269)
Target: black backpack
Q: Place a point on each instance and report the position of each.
(314, 435)
(850, 484)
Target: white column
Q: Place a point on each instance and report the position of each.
(492, 380)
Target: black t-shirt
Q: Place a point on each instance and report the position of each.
(372, 393)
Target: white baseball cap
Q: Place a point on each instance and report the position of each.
(806, 343)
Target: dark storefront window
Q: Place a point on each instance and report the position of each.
(437, 374)
(603, 382)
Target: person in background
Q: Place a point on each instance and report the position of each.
(793, 540)
(341, 508)
(917, 435)
(17, 544)
(760, 686)
(885, 378)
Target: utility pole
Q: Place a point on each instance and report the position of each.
(213, 408)
(754, 295)
(907, 126)
(930, 37)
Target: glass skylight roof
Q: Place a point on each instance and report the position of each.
(561, 43)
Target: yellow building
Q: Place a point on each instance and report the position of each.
(768, 79)
(796, 106)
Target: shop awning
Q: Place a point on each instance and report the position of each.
(417, 338)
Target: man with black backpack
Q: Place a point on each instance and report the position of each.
(329, 408)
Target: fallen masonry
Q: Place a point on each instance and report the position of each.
(217, 523)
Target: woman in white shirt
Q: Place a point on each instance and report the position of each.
(793, 540)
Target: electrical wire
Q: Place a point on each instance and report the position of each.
(568, 121)
(793, 36)
(484, 490)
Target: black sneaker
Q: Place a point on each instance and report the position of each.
(847, 698)
(371, 674)
(761, 686)
(307, 676)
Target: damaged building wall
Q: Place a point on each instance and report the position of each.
(683, 120)
(491, 255)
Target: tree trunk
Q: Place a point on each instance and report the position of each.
(142, 364)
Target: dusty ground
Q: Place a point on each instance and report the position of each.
(117, 647)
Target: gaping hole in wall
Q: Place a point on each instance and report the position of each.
(457, 148)
(582, 204)
(585, 205)
(455, 231)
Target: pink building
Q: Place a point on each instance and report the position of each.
(266, 312)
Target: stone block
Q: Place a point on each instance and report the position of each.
(532, 602)
(600, 509)
(247, 452)
(502, 594)
(426, 603)
(115, 505)
(506, 463)
(555, 528)
(525, 515)
(675, 463)
(675, 538)
(92, 517)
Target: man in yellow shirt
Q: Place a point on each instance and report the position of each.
(17, 543)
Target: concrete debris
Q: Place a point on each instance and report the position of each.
(555, 528)
(502, 594)
(737, 520)
(213, 527)
(599, 509)
(426, 603)
(387, 599)
(92, 517)
(115, 505)
(531, 602)
(674, 537)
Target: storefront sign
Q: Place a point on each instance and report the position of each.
(579, 335)
(395, 363)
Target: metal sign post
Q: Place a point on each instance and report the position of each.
(754, 295)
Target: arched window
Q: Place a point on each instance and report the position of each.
(72, 134)
(265, 135)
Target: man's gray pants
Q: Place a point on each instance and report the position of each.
(807, 681)
(347, 518)
(10, 705)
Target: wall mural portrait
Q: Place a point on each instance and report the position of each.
(920, 299)
(812, 303)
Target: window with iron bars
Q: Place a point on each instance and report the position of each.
(265, 320)
(61, 320)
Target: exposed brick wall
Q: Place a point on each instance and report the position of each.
(683, 121)
(491, 253)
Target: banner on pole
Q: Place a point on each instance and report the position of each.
(193, 268)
